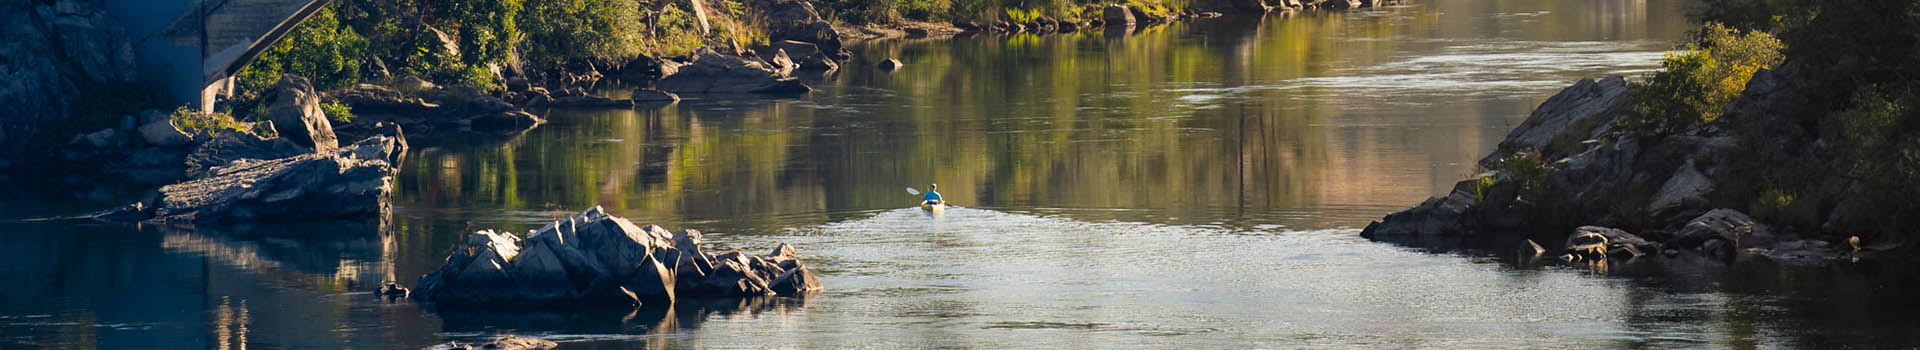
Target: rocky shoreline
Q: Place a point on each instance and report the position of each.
(1569, 175)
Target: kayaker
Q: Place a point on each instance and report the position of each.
(933, 195)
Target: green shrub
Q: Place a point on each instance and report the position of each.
(337, 112)
(1526, 168)
(563, 31)
(192, 121)
(320, 49)
(1693, 87)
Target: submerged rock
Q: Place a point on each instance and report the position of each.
(597, 259)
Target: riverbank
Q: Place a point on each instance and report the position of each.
(1791, 149)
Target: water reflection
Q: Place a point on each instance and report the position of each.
(1176, 186)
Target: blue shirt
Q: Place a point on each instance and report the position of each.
(932, 196)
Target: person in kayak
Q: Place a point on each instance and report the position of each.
(933, 195)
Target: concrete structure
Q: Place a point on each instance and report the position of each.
(193, 48)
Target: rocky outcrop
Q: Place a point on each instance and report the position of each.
(714, 73)
(347, 182)
(1566, 168)
(295, 112)
(55, 50)
(597, 259)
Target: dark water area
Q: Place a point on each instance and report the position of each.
(1198, 184)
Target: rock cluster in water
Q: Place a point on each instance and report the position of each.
(1674, 190)
(233, 176)
(597, 259)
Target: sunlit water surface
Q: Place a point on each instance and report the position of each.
(1196, 185)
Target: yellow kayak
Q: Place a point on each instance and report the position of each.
(933, 207)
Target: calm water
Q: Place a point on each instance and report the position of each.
(1191, 185)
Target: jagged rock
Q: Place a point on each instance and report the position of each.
(779, 61)
(712, 72)
(506, 343)
(227, 147)
(1720, 230)
(795, 282)
(597, 259)
(1578, 113)
(295, 112)
(1117, 15)
(891, 64)
(348, 182)
(1595, 242)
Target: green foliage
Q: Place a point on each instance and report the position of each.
(193, 122)
(337, 112)
(1694, 86)
(1528, 170)
(674, 31)
(320, 49)
(1880, 132)
(562, 31)
(1022, 16)
(1481, 187)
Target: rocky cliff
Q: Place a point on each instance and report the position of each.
(55, 51)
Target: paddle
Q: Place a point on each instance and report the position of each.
(912, 191)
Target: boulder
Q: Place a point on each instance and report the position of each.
(414, 85)
(347, 182)
(163, 133)
(597, 259)
(1117, 15)
(1686, 188)
(1722, 231)
(1595, 243)
(795, 282)
(715, 73)
(295, 112)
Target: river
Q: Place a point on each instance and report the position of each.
(1194, 185)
